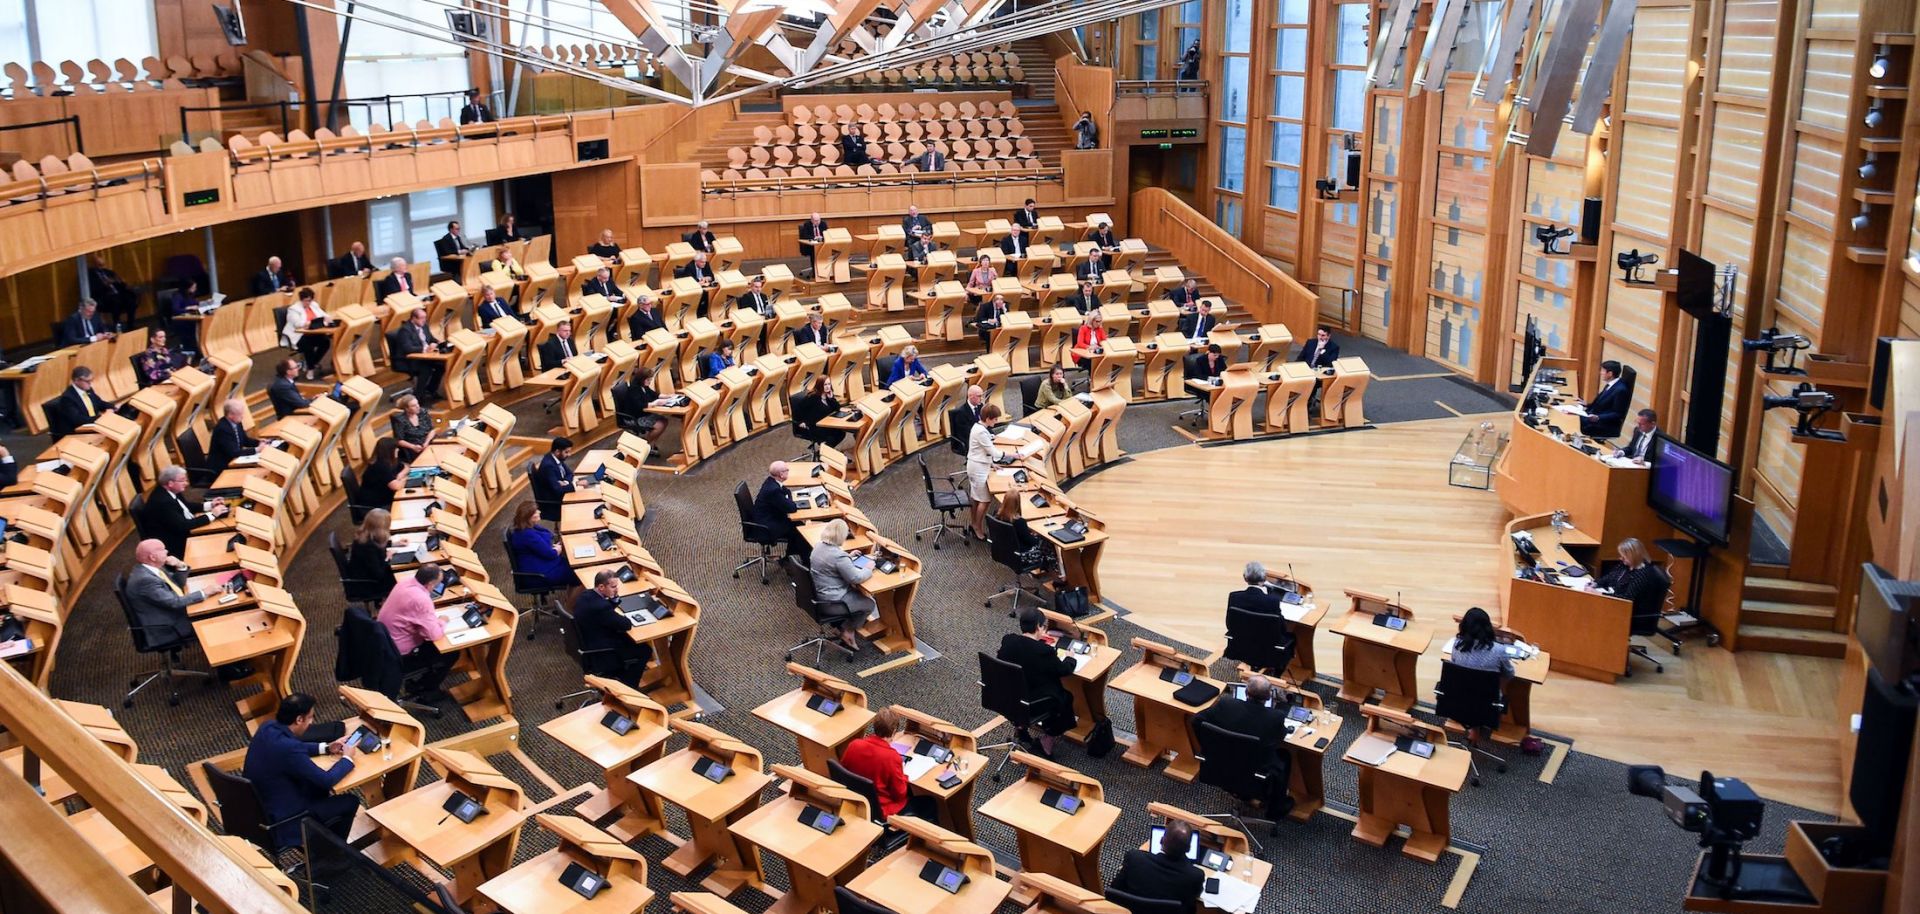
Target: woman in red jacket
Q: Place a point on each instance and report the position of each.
(874, 757)
(1091, 335)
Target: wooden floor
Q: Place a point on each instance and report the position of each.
(1371, 510)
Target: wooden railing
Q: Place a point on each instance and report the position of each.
(1159, 99)
(61, 871)
(1078, 87)
(1267, 293)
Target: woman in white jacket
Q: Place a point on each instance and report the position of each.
(313, 346)
(980, 459)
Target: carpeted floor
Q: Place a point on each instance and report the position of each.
(1578, 844)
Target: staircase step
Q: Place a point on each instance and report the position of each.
(1783, 590)
(1780, 640)
(1787, 615)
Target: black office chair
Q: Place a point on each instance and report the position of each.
(1030, 393)
(587, 659)
(1001, 539)
(805, 431)
(544, 498)
(398, 361)
(137, 512)
(350, 483)
(626, 419)
(530, 585)
(824, 614)
(368, 593)
(754, 533)
(949, 502)
(1476, 701)
(366, 652)
(849, 903)
(1003, 690)
(155, 639)
(193, 457)
(1228, 761)
(1191, 366)
(1259, 640)
(57, 425)
(243, 816)
(890, 838)
(883, 368)
(1140, 904)
(1646, 625)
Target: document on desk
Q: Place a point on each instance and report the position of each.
(1371, 749)
(1572, 409)
(1294, 612)
(917, 765)
(1623, 463)
(247, 461)
(1011, 433)
(1032, 447)
(1234, 896)
(585, 552)
(466, 636)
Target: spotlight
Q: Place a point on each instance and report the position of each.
(1876, 113)
(1631, 262)
(1549, 238)
(1863, 221)
(1882, 61)
(1867, 168)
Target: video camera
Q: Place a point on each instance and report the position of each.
(1811, 404)
(1724, 812)
(1771, 341)
(1550, 237)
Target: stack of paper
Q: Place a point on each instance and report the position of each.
(1011, 433)
(1294, 612)
(1032, 447)
(465, 636)
(1371, 749)
(918, 765)
(1234, 896)
(19, 646)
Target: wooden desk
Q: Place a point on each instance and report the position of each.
(1163, 354)
(269, 638)
(486, 693)
(1088, 684)
(893, 631)
(710, 807)
(1048, 895)
(1540, 473)
(1584, 631)
(414, 824)
(816, 861)
(1289, 389)
(1229, 403)
(396, 767)
(583, 732)
(534, 887)
(956, 802)
(1164, 726)
(1242, 863)
(1408, 790)
(1112, 365)
(1517, 722)
(1010, 339)
(821, 736)
(1059, 844)
(1377, 658)
(895, 881)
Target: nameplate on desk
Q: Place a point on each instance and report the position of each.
(466, 636)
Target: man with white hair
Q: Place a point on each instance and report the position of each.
(773, 508)
(272, 279)
(156, 591)
(700, 238)
(961, 418)
(167, 515)
(397, 281)
(230, 438)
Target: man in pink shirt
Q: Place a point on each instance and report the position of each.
(410, 619)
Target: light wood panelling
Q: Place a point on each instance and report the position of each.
(1816, 179)
(1280, 236)
(1646, 156)
(1209, 250)
(1453, 332)
(1825, 100)
(1657, 54)
(1910, 309)
(1633, 314)
(1738, 147)
(1641, 365)
(1747, 47)
(1388, 122)
(1834, 14)
(1803, 279)
(1777, 495)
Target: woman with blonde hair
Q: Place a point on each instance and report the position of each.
(412, 426)
(837, 576)
(369, 574)
(1637, 578)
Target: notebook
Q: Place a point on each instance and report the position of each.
(1371, 749)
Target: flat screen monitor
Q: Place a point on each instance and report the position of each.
(1690, 490)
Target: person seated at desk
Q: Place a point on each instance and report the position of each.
(1607, 411)
(1197, 323)
(506, 264)
(1320, 352)
(1054, 389)
(982, 455)
(915, 225)
(607, 649)
(492, 307)
(154, 363)
(987, 319)
(552, 479)
(156, 591)
(813, 230)
(602, 284)
(1102, 235)
(412, 427)
(1636, 578)
(1044, 668)
(961, 419)
(700, 238)
(353, 263)
(1015, 244)
(814, 331)
(1087, 299)
(1258, 596)
(605, 249)
(398, 279)
(1167, 875)
(1253, 717)
(78, 405)
(1476, 648)
(814, 404)
(1094, 267)
(646, 318)
(1091, 335)
(1186, 295)
(313, 347)
(874, 757)
(367, 560)
(384, 476)
(168, 517)
(230, 438)
(120, 300)
(506, 231)
(717, 361)
(633, 400)
(450, 248)
(411, 621)
(756, 299)
(701, 272)
(84, 326)
(415, 339)
(1204, 366)
(919, 247)
(557, 348)
(773, 508)
(980, 280)
(1027, 216)
(536, 552)
(1646, 424)
(837, 576)
(1033, 548)
(184, 301)
(283, 393)
(270, 280)
(280, 763)
(908, 365)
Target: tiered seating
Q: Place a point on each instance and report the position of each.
(975, 137)
(72, 77)
(597, 56)
(994, 68)
(119, 109)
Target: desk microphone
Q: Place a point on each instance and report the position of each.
(1396, 603)
(1290, 574)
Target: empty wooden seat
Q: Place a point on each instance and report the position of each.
(804, 156)
(783, 135)
(891, 130)
(759, 156)
(782, 156)
(896, 152)
(829, 155)
(886, 112)
(969, 110)
(865, 111)
(762, 136)
(805, 135)
(1024, 147)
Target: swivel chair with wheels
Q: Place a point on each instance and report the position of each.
(1259, 640)
(949, 501)
(163, 640)
(754, 533)
(527, 584)
(1003, 691)
(1230, 761)
(1476, 701)
(1001, 539)
(825, 615)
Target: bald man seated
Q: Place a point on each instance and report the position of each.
(773, 508)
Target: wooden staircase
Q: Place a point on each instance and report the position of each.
(1037, 63)
(1789, 617)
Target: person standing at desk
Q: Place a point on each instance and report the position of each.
(167, 517)
(988, 318)
(1044, 668)
(607, 648)
(980, 281)
(280, 764)
(981, 456)
(773, 508)
(1190, 61)
(384, 476)
(1053, 390)
(873, 757)
(813, 230)
(837, 577)
(1257, 597)
(815, 404)
(367, 561)
(1166, 875)
(230, 438)
(1607, 411)
(1476, 648)
(1646, 424)
(1636, 578)
(552, 479)
(1266, 723)
(414, 626)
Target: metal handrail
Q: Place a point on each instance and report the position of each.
(72, 121)
(1158, 86)
(286, 105)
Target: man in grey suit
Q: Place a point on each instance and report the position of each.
(156, 589)
(837, 576)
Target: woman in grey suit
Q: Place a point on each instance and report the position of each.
(837, 576)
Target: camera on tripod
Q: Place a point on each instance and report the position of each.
(1724, 812)
(1811, 404)
(1771, 341)
(1631, 262)
(1550, 238)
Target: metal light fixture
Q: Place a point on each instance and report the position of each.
(1864, 220)
(1882, 62)
(1876, 113)
(1867, 168)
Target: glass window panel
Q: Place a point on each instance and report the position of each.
(1233, 158)
(387, 228)
(1233, 94)
(1349, 100)
(1285, 143)
(1239, 25)
(81, 30)
(1290, 51)
(1149, 25)
(1289, 96)
(476, 210)
(1283, 189)
(13, 31)
(1350, 47)
(1147, 60)
(1226, 213)
(1293, 11)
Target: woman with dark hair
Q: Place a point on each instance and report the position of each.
(155, 361)
(816, 404)
(384, 475)
(534, 549)
(1033, 549)
(640, 394)
(1054, 390)
(1475, 646)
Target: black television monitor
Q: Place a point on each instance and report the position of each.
(1690, 490)
(1885, 624)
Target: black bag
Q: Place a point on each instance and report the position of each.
(1195, 693)
(1072, 602)
(1100, 741)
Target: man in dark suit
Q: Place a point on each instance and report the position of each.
(491, 307)
(1320, 352)
(230, 438)
(602, 284)
(701, 272)
(353, 263)
(398, 280)
(473, 112)
(280, 763)
(1027, 216)
(9, 470)
(1167, 875)
(84, 325)
(156, 591)
(272, 279)
(1646, 424)
(853, 148)
(814, 230)
(1263, 716)
(552, 479)
(645, 318)
(505, 232)
(1607, 411)
(1015, 244)
(1086, 299)
(1102, 235)
(756, 298)
(1044, 669)
(611, 652)
(78, 405)
(773, 508)
(962, 418)
(931, 159)
(168, 517)
(1257, 597)
(813, 331)
(913, 224)
(700, 238)
(413, 338)
(1187, 294)
(451, 246)
(987, 319)
(284, 394)
(1204, 366)
(106, 287)
(1094, 267)
(558, 347)
(1196, 324)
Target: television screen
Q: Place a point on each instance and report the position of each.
(1690, 490)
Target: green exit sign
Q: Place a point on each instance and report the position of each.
(200, 197)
